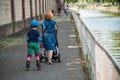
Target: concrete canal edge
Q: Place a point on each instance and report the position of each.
(83, 58)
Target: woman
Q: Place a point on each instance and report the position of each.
(48, 34)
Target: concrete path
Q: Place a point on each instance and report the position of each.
(12, 59)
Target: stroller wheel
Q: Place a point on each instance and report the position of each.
(55, 59)
(59, 59)
(46, 59)
(41, 60)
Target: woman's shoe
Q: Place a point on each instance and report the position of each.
(49, 62)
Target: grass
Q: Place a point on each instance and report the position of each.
(14, 39)
(11, 41)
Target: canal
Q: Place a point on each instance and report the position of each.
(105, 28)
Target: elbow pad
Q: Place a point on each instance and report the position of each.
(39, 39)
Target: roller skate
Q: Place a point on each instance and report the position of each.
(38, 65)
(27, 65)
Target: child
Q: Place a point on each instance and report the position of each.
(33, 37)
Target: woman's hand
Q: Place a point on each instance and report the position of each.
(41, 44)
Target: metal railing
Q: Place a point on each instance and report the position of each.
(102, 65)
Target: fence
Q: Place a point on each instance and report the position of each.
(102, 65)
(16, 14)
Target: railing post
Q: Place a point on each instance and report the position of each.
(13, 15)
(49, 7)
(31, 14)
(36, 9)
(23, 12)
(46, 5)
(40, 9)
(43, 6)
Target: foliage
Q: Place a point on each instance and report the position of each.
(68, 1)
(73, 1)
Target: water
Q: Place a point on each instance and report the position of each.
(105, 28)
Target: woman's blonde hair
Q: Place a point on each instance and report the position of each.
(48, 15)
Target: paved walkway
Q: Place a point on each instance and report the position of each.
(12, 59)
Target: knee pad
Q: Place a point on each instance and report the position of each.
(37, 56)
(29, 56)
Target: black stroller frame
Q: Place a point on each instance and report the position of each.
(55, 56)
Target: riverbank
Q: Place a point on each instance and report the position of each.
(107, 8)
(111, 13)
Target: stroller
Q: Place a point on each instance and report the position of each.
(55, 56)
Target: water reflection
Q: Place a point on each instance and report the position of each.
(105, 28)
(110, 40)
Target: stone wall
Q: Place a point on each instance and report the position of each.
(14, 16)
(27, 9)
(5, 12)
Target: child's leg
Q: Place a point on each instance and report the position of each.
(29, 55)
(37, 55)
(30, 50)
(37, 61)
(28, 61)
(36, 51)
